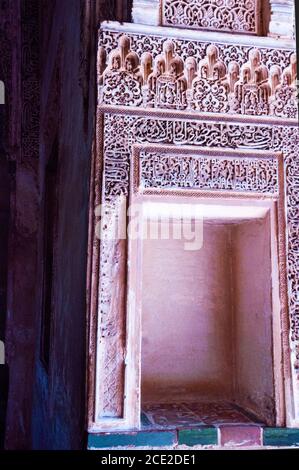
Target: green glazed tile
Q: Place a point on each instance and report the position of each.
(202, 436)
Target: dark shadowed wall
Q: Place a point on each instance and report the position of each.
(51, 55)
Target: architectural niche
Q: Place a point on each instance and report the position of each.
(188, 117)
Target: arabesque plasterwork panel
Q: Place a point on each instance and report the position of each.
(240, 16)
(167, 74)
(273, 18)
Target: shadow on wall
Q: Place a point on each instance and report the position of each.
(3, 401)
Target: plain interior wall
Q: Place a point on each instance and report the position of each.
(253, 317)
(206, 317)
(186, 317)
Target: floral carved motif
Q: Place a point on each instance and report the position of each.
(284, 97)
(111, 309)
(143, 43)
(122, 78)
(208, 85)
(111, 319)
(224, 15)
(207, 90)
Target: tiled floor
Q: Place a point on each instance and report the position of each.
(196, 425)
(178, 415)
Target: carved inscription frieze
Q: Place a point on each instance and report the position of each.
(192, 132)
(164, 170)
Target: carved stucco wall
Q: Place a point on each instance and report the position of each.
(224, 15)
(196, 75)
(175, 93)
(262, 17)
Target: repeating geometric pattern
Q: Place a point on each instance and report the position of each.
(224, 15)
(168, 81)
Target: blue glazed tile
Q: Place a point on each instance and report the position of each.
(156, 438)
(281, 437)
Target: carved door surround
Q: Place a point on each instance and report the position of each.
(123, 368)
(255, 157)
(146, 187)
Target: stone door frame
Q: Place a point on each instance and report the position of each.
(275, 203)
(130, 396)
